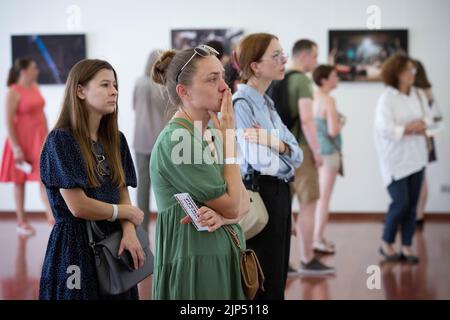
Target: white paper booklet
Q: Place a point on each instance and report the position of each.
(25, 167)
(190, 208)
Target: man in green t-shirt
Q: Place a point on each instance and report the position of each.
(306, 184)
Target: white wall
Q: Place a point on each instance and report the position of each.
(124, 32)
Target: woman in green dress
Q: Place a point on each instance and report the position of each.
(191, 264)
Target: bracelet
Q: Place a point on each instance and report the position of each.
(115, 213)
(230, 161)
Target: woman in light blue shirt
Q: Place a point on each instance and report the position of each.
(268, 154)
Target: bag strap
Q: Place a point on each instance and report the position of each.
(92, 227)
(234, 236)
(292, 120)
(253, 114)
(331, 139)
(183, 125)
(249, 167)
(251, 108)
(249, 104)
(89, 232)
(420, 100)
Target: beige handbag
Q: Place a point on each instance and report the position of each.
(256, 218)
(252, 275)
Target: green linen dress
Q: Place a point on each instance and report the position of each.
(190, 264)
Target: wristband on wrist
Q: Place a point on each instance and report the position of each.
(231, 160)
(115, 213)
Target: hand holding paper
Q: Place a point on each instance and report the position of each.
(191, 209)
(25, 167)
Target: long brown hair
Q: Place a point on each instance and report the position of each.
(74, 115)
(14, 72)
(421, 80)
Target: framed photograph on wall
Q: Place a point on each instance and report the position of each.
(359, 54)
(188, 38)
(54, 54)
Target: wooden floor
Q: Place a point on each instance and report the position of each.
(356, 237)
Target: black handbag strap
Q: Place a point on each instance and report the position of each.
(92, 227)
(253, 110)
(333, 142)
(253, 173)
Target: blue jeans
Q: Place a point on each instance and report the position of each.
(402, 210)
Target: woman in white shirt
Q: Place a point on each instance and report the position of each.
(400, 128)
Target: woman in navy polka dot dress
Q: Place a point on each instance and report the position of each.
(86, 168)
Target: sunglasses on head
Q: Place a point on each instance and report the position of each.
(203, 51)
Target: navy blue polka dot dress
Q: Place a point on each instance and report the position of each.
(62, 166)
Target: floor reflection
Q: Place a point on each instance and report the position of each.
(356, 243)
(315, 289)
(20, 286)
(403, 281)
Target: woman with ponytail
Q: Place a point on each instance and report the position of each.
(191, 264)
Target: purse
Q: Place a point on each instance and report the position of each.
(431, 149)
(116, 274)
(252, 275)
(255, 220)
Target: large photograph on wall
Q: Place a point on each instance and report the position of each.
(188, 38)
(54, 54)
(359, 54)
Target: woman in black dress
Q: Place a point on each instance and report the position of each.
(86, 168)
